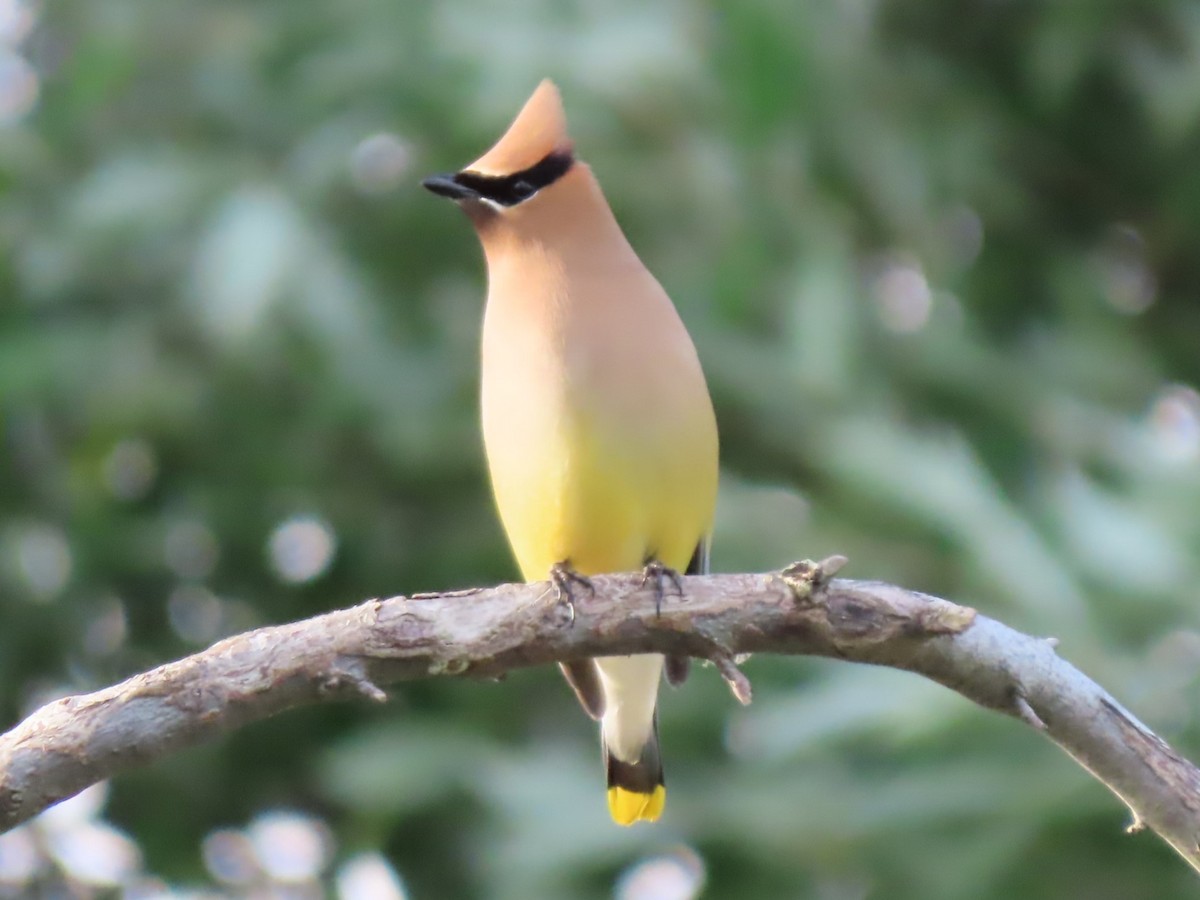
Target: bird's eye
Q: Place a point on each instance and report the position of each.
(522, 189)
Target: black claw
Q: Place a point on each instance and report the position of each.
(563, 577)
(661, 574)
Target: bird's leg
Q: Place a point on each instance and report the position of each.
(660, 574)
(564, 579)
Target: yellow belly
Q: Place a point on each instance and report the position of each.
(599, 502)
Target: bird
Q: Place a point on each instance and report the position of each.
(598, 427)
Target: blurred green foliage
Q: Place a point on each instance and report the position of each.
(940, 261)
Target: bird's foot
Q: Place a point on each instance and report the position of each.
(661, 574)
(565, 580)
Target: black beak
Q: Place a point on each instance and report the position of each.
(446, 186)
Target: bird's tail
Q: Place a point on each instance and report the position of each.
(635, 790)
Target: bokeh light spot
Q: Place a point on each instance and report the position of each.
(190, 549)
(230, 857)
(43, 559)
(903, 297)
(107, 628)
(291, 846)
(17, 18)
(130, 469)
(18, 87)
(679, 875)
(1126, 280)
(95, 853)
(379, 163)
(369, 876)
(1174, 420)
(196, 614)
(302, 548)
(19, 859)
(83, 807)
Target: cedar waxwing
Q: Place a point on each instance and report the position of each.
(599, 431)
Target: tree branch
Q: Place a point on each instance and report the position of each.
(76, 741)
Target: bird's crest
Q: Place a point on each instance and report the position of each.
(539, 130)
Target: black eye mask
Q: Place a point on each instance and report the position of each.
(509, 190)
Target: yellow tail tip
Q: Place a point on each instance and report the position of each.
(627, 807)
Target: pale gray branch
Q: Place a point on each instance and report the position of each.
(76, 741)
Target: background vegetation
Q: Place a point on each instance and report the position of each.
(940, 260)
